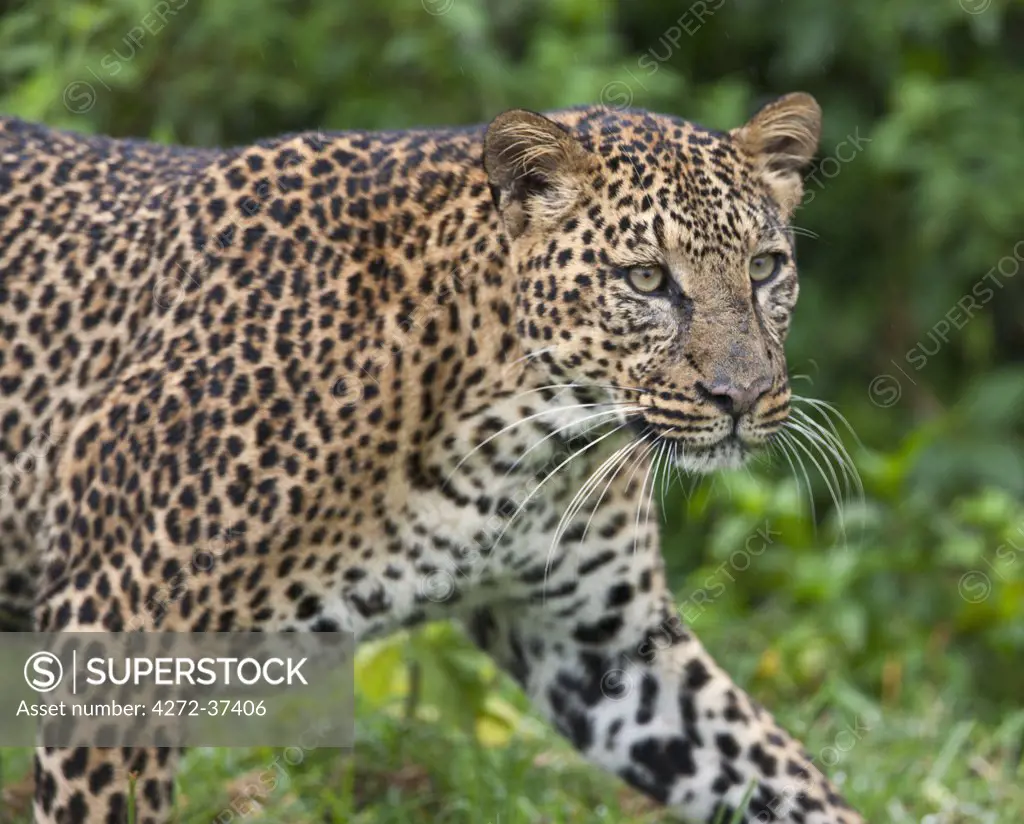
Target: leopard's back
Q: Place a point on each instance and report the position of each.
(76, 216)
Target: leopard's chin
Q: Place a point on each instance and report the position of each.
(731, 451)
(728, 453)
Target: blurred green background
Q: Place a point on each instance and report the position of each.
(909, 622)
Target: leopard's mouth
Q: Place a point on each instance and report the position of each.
(690, 454)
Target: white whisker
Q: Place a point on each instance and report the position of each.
(640, 500)
(657, 463)
(520, 422)
(839, 451)
(550, 435)
(549, 476)
(832, 491)
(787, 438)
(605, 386)
(580, 498)
(611, 480)
(531, 355)
(828, 409)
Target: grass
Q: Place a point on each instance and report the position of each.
(921, 758)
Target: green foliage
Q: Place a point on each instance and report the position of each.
(908, 608)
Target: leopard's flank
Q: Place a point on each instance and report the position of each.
(362, 363)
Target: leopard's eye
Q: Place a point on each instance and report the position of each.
(647, 279)
(764, 266)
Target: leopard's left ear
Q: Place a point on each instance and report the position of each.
(782, 138)
(535, 169)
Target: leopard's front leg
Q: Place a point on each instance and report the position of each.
(606, 657)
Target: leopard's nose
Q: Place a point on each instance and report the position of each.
(735, 399)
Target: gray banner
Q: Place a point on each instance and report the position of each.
(210, 689)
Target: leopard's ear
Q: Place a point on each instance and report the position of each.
(782, 138)
(535, 169)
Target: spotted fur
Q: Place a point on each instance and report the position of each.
(356, 380)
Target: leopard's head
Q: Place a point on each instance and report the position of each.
(655, 263)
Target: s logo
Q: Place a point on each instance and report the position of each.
(43, 671)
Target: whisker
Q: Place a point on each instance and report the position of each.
(658, 464)
(843, 457)
(787, 438)
(823, 448)
(675, 465)
(803, 232)
(640, 501)
(585, 448)
(640, 461)
(611, 480)
(550, 435)
(664, 482)
(828, 409)
(580, 498)
(695, 480)
(833, 491)
(659, 454)
(520, 422)
(580, 386)
(830, 442)
(532, 355)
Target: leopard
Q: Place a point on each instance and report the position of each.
(400, 377)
